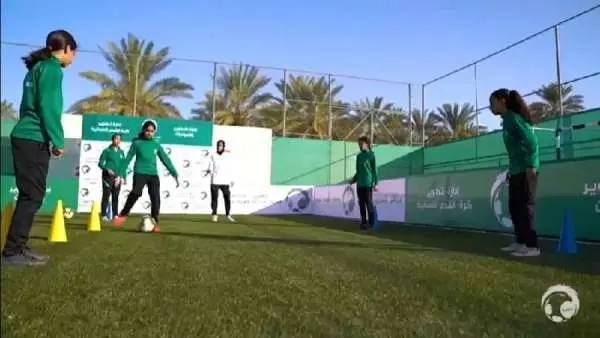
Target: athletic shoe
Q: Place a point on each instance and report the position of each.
(156, 228)
(35, 255)
(512, 247)
(20, 260)
(364, 226)
(118, 221)
(231, 219)
(526, 252)
(215, 218)
(106, 219)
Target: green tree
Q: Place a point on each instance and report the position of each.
(458, 121)
(239, 97)
(8, 111)
(427, 124)
(307, 113)
(133, 91)
(549, 105)
(388, 123)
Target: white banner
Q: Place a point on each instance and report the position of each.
(274, 200)
(191, 163)
(342, 201)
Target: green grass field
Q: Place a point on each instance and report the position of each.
(290, 277)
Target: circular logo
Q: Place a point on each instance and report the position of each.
(85, 169)
(185, 205)
(168, 150)
(204, 153)
(186, 163)
(205, 173)
(165, 194)
(203, 195)
(166, 172)
(87, 147)
(185, 184)
(146, 205)
(348, 200)
(297, 200)
(560, 303)
(84, 192)
(498, 192)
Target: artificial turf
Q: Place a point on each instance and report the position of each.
(290, 277)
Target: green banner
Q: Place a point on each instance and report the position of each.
(478, 199)
(170, 131)
(56, 189)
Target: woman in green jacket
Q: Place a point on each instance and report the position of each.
(145, 149)
(112, 175)
(523, 164)
(38, 135)
(366, 181)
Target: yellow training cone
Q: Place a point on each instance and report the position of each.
(94, 221)
(58, 233)
(7, 214)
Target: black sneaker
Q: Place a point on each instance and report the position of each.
(364, 226)
(35, 255)
(20, 260)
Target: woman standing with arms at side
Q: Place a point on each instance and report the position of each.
(38, 135)
(366, 181)
(112, 175)
(523, 158)
(145, 149)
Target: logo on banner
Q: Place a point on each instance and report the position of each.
(146, 205)
(297, 200)
(87, 147)
(186, 163)
(165, 194)
(348, 200)
(560, 303)
(203, 195)
(84, 192)
(168, 150)
(205, 153)
(497, 197)
(185, 184)
(185, 205)
(85, 169)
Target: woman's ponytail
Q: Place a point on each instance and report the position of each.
(36, 56)
(517, 104)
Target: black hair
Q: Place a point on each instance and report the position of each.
(514, 102)
(55, 41)
(114, 136)
(221, 142)
(364, 139)
(145, 126)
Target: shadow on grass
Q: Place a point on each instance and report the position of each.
(487, 244)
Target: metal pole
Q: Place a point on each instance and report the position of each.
(423, 114)
(135, 85)
(284, 99)
(372, 114)
(214, 93)
(329, 109)
(476, 98)
(559, 88)
(410, 124)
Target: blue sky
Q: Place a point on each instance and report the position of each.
(412, 41)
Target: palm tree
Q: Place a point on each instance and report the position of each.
(383, 118)
(8, 111)
(308, 99)
(427, 124)
(458, 121)
(239, 98)
(549, 106)
(132, 92)
(394, 124)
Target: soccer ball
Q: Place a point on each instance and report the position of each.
(147, 224)
(68, 213)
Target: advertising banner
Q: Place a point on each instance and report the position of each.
(479, 199)
(273, 200)
(342, 201)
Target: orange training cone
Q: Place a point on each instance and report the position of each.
(94, 221)
(7, 214)
(58, 233)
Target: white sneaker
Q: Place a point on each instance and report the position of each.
(527, 252)
(215, 218)
(231, 219)
(513, 247)
(106, 219)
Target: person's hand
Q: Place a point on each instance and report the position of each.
(507, 178)
(58, 152)
(176, 182)
(375, 188)
(117, 181)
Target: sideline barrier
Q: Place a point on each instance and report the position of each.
(478, 199)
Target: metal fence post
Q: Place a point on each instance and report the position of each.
(423, 114)
(558, 144)
(214, 93)
(410, 111)
(284, 99)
